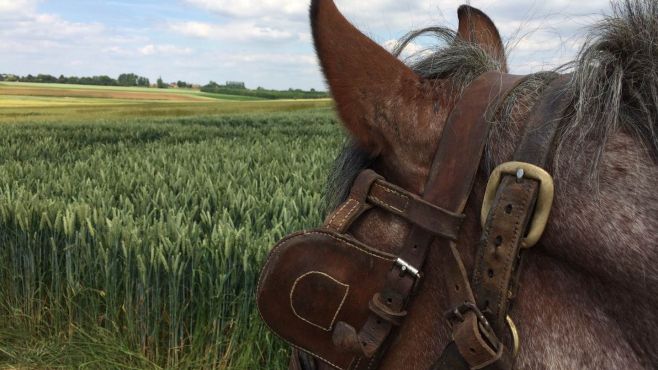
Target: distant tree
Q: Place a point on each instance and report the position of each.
(127, 79)
(143, 82)
(104, 81)
(46, 78)
(260, 92)
(62, 79)
(2, 77)
(161, 84)
(235, 85)
(182, 84)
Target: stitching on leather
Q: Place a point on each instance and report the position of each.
(312, 353)
(358, 362)
(495, 227)
(331, 221)
(386, 204)
(349, 213)
(389, 190)
(277, 249)
(516, 232)
(372, 362)
(342, 302)
(478, 279)
(352, 245)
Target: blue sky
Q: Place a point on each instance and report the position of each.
(261, 42)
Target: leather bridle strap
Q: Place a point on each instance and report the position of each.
(512, 210)
(450, 184)
(370, 189)
(498, 258)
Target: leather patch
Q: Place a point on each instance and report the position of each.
(317, 298)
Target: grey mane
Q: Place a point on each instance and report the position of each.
(614, 87)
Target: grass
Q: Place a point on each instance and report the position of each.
(132, 235)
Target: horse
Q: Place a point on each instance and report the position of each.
(589, 290)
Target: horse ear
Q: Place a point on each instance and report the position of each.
(478, 28)
(376, 95)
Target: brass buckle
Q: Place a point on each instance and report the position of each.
(544, 200)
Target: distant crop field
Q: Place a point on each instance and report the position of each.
(59, 102)
(18, 94)
(132, 234)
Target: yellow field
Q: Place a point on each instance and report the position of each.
(22, 102)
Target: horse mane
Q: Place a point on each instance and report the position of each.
(614, 87)
(615, 84)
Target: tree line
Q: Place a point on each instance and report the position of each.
(133, 80)
(125, 79)
(238, 88)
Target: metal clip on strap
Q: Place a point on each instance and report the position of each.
(405, 267)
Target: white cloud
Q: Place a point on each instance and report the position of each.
(46, 27)
(253, 8)
(240, 31)
(166, 49)
(290, 59)
(17, 6)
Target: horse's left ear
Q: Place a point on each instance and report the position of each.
(383, 103)
(478, 28)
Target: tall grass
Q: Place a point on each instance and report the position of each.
(137, 243)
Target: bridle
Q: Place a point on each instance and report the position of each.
(352, 315)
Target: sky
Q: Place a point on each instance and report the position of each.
(260, 42)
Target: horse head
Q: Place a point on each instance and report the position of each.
(588, 290)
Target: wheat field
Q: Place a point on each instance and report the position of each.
(131, 235)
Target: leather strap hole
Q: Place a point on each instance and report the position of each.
(509, 209)
(457, 288)
(389, 301)
(379, 322)
(415, 246)
(491, 273)
(498, 241)
(486, 305)
(472, 350)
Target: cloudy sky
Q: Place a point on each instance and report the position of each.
(261, 42)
